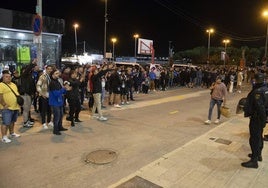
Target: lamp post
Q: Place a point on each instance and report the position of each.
(265, 15)
(209, 31)
(113, 41)
(105, 28)
(75, 37)
(225, 41)
(136, 36)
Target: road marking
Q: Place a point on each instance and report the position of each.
(174, 112)
(160, 100)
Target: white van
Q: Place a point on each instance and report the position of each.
(179, 65)
(127, 65)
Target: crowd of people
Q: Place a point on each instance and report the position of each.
(54, 92)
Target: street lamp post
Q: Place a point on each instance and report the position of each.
(136, 36)
(225, 41)
(75, 37)
(113, 41)
(209, 31)
(105, 28)
(265, 15)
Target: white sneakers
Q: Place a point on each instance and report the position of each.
(51, 124)
(208, 122)
(217, 121)
(117, 106)
(103, 118)
(45, 126)
(95, 116)
(5, 139)
(14, 135)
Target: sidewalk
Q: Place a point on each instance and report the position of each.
(211, 160)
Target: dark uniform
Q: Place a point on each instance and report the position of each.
(255, 108)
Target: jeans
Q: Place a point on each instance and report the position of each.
(211, 106)
(57, 118)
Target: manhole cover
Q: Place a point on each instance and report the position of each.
(101, 156)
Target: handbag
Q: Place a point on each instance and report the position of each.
(20, 100)
(225, 111)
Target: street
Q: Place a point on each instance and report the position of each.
(139, 133)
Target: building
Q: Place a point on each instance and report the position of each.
(19, 44)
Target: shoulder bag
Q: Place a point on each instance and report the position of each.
(20, 100)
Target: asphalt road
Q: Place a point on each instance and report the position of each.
(139, 133)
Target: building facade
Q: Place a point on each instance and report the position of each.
(19, 44)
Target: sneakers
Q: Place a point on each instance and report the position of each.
(30, 122)
(94, 116)
(117, 106)
(14, 135)
(217, 121)
(77, 120)
(27, 125)
(208, 122)
(45, 126)
(5, 139)
(103, 118)
(51, 124)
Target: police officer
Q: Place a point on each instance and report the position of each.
(255, 109)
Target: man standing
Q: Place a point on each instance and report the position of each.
(56, 100)
(218, 96)
(255, 109)
(27, 90)
(97, 89)
(42, 88)
(9, 106)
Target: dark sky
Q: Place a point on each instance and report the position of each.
(184, 22)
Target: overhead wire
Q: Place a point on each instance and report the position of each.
(172, 7)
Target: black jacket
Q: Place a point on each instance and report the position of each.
(27, 84)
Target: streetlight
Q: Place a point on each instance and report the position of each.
(113, 41)
(75, 37)
(105, 28)
(265, 15)
(136, 36)
(209, 31)
(225, 41)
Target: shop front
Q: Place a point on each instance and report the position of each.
(19, 44)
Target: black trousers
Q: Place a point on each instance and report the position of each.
(45, 110)
(256, 139)
(74, 108)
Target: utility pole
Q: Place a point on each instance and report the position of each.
(39, 40)
(105, 29)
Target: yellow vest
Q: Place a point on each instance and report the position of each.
(23, 54)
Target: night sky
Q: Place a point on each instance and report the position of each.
(184, 22)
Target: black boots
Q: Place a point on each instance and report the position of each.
(250, 164)
(77, 120)
(72, 123)
(259, 157)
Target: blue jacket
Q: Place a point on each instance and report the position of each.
(56, 92)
